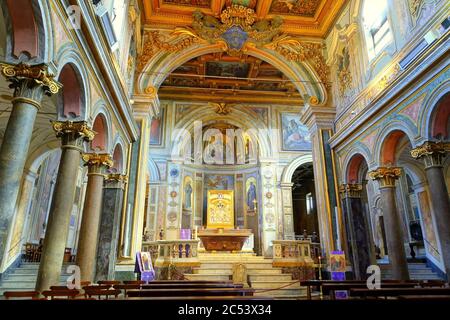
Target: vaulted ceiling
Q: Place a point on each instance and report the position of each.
(229, 78)
(221, 77)
(301, 17)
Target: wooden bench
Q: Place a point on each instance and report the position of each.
(89, 293)
(33, 295)
(67, 293)
(331, 288)
(108, 282)
(396, 292)
(190, 292)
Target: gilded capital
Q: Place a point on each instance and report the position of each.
(351, 190)
(98, 160)
(79, 129)
(432, 153)
(386, 175)
(26, 78)
(117, 177)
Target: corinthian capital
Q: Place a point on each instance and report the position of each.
(432, 153)
(351, 190)
(77, 128)
(30, 81)
(386, 175)
(97, 162)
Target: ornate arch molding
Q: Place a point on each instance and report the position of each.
(357, 150)
(100, 109)
(44, 33)
(236, 32)
(404, 125)
(288, 172)
(36, 157)
(118, 142)
(154, 171)
(302, 74)
(426, 113)
(68, 54)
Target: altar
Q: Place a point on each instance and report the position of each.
(220, 233)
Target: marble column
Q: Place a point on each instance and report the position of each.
(386, 176)
(72, 135)
(30, 83)
(433, 155)
(107, 247)
(288, 218)
(359, 244)
(88, 238)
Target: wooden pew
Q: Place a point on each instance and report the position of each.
(330, 288)
(221, 298)
(318, 283)
(396, 292)
(33, 295)
(66, 294)
(187, 281)
(89, 293)
(180, 286)
(190, 292)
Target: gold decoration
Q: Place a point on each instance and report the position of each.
(386, 175)
(78, 127)
(98, 159)
(294, 50)
(433, 153)
(352, 190)
(117, 177)
(221, 108)
(415, 6)
(265, 33)
(39, 73)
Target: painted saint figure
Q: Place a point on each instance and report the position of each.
(251, 197)
(188, 193)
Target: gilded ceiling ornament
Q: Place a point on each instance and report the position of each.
(294, 50)
(237, 30)
(80, 128)
(39, 73)
(221, 108)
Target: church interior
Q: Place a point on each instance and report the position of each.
(236, 149)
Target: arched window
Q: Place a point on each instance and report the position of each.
(376, 26)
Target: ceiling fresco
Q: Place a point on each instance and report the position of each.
(225, 75)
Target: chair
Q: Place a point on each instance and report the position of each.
(33, 295)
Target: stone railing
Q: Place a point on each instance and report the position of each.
(292, 253)
(179, 253)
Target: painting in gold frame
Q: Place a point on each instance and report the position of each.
(220, 213)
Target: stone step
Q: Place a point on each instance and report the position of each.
(213, 271)
(28, 277)
(287, 293)
(207, 277)
(286, 284)
(270, 277)
(229, 265)
(256, 271)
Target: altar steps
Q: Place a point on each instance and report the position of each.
(261, 274)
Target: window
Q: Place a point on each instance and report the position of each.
(309, 203)
(376, 26)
